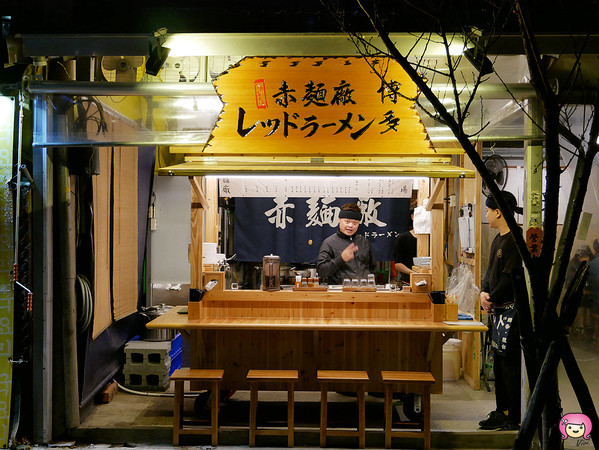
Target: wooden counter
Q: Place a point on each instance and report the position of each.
(174, 319)
(241, 330)
(312, 305)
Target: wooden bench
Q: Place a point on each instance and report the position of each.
(357, 378)
(422, 382)
(255, 377)
(210, 377)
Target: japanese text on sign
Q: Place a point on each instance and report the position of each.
(320, 213)
(343, 187)
(316, 95)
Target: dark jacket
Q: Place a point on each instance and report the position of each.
(331, 265)
(503, 260)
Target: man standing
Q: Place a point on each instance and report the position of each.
(346, 254)
(404, 251)
(497, 297)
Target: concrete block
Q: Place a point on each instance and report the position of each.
(147, 352)
(148, 368)
(147, 382)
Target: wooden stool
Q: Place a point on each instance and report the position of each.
(360, 378)
(423, 382)
(269, 376)
(213, 377)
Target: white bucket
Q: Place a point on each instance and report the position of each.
(452, 360)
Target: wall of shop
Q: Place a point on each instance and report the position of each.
(168, 241)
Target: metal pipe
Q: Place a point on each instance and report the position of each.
(67, 275)
(100, 88)
(485, 90)
(66, 239)
(43, 275)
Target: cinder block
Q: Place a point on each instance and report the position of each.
(147, 352)
(148, 364)
(163, 368)
(147, 382)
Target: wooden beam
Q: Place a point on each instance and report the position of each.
(197, 192)
(434, 198)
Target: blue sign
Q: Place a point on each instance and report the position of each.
(294, 228)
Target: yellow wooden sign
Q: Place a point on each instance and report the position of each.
(317, 106)
(7, 294)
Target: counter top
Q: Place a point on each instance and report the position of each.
(172, 319)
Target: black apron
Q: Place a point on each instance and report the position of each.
(503, 319)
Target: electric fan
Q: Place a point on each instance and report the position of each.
(497, 167)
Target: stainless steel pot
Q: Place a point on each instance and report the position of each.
(287, 275)
(304, 273)
(156, 334)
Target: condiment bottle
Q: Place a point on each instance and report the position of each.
(298, 281)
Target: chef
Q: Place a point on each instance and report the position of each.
(346, 254)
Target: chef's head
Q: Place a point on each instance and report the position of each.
(349, 219)
(494, 215)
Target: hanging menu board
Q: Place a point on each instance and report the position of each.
(346, 187)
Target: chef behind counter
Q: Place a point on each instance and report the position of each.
(346, 254)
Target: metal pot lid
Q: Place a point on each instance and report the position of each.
(159, 309)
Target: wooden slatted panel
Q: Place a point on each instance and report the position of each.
(300, 310)
(237, 351)
(299, 305)
(125, 222)
(101, 192)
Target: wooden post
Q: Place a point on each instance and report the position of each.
(212, 223)
(198, 202)
(471, 192)
(437, 240)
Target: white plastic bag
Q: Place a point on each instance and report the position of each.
(422, 219)
(462, 289)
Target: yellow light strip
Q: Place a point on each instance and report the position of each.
(329, 168)
(199, 151)
(444, 159)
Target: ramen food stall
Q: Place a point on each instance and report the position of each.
(325, 117)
